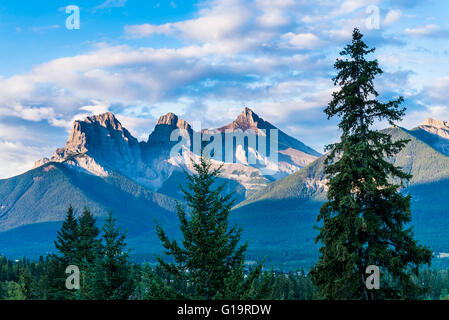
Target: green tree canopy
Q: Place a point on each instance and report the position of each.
(110, 275)
(210, 258)
(365, 218)
(88, 241)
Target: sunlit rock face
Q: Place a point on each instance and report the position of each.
(100, 145)
(436, 133)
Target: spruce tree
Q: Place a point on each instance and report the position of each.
(210, 259)
(365, 218)
(88, 246)
(152, 287)
(87, 238)
(110, 276)
(66, 245)
(68, 238)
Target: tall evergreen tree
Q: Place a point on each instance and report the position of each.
(68, 237)
(365, 217)
(209, 259)
(87, 238)
(67, 247)
(88, 246)
(111, 277)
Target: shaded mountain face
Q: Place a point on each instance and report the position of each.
(164, 127)
(44, 194)
(100, 145)
(97, 145)
(32, 206)
(425, 163)
(435, 133)
(283, 214)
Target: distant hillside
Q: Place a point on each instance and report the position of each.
(34, 204)
(44, 194)
(283, 215)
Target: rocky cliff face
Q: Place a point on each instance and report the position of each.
(97, 145)
(292, 153)
(102, 136)
(164, 127)
(248, 120)
(436, 133)
(100, 145)
(438, 127)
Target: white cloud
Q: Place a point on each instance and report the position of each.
(436, 93)
(349, 6)
(430, 30)
(302, 40)
(274, 18)
(392, 16)
(17, 157)
(34, 114)
(112, 4)
(145, 30)
(224, 20)
(274, 13)
(227, 26)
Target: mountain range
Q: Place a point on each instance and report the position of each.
(102, 166)
(100, 145)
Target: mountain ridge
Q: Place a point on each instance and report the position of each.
(100, 144)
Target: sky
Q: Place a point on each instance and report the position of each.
(205, 61)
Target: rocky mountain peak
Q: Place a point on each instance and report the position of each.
(101, 137)
(100, 145)
(439, 134)
(164, 127)
(173, 120)
(247, 119)
(107, 120)
(440, 124)
(96, 130)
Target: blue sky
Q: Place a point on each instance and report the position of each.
(205, 60)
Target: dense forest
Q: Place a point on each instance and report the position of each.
(29, 280)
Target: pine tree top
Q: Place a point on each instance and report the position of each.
(356, 101)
